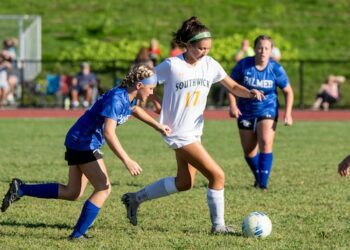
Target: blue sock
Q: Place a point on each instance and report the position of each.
(265, 165)
(254, 165)
(87, 217)
(47, 190)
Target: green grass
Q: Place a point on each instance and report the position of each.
(307, 202)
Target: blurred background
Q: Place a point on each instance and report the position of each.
(47, 42)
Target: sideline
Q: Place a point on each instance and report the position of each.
(211, 114)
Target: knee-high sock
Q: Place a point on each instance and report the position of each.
(160, 188)
(253, 163)
(47, 190)
(87, 217)
(216, 206)
(265, 165)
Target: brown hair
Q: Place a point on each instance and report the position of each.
(189, 29)
(262, 37)
(137, 73)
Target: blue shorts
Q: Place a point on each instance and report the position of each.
(250, 124)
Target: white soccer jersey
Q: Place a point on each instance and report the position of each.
(186, 88)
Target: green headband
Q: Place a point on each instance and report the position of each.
(199, 36)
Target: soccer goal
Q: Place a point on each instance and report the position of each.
(26, 29)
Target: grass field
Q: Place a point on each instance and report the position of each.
(307, 202)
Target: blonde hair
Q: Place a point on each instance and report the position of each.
(137, 73)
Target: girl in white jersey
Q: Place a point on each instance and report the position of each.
(187, 79)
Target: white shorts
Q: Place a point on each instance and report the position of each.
(4, 85)
(176, 142)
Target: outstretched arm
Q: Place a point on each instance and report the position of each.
(235, 89)
(142, 115)
(114, 144)
(241, 91)
(289, 99)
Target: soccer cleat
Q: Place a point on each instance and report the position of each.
(12, 194)
(221, 229)
(129, 200)
(81, 237)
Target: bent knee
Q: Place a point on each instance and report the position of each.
(218, 176)
(74, 196)
(183, 185)
(105, 191)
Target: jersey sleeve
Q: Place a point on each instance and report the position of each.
(112, 108)
(163, 71)
(219, 72)
(281, 76)
(237, 72)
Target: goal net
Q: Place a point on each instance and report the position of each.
(26, 29)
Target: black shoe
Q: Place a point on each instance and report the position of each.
(11, 195)
(131, 205)
(81, 237)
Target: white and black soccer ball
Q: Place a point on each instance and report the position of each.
(257, 225)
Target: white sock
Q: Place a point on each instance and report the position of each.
(160, 188)
(216, 206)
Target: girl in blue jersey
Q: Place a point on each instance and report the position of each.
(83, 142)
(257, 120)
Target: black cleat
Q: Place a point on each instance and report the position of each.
(12, 194)
(129, 200)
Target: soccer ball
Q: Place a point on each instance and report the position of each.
(257, 225)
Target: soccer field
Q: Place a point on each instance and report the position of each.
(307, 202)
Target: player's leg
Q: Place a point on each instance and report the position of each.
(249, 142)
(163, 187)
(75, 188)
(97, 175)
(266, 133)
(196, 155)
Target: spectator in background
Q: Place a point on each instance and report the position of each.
(175, 49)
(244, 51)
(154, 50)
(84, 83)
(344, 166)
(4, 85)
(328, 93)
(10, 53)
(143, 57)
(276, 54)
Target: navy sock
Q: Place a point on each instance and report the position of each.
(47, 190)
(265, 165)
(87, 217)
(253, 163)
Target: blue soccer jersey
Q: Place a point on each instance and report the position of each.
(87, 132)
(266, 80)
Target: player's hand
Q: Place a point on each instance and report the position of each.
(288, 120)
(164, 129)
(256, 94)
(133, 167)
(234, 112)
(344, 167)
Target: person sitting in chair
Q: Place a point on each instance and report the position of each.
(84, 83)
(328, 93)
